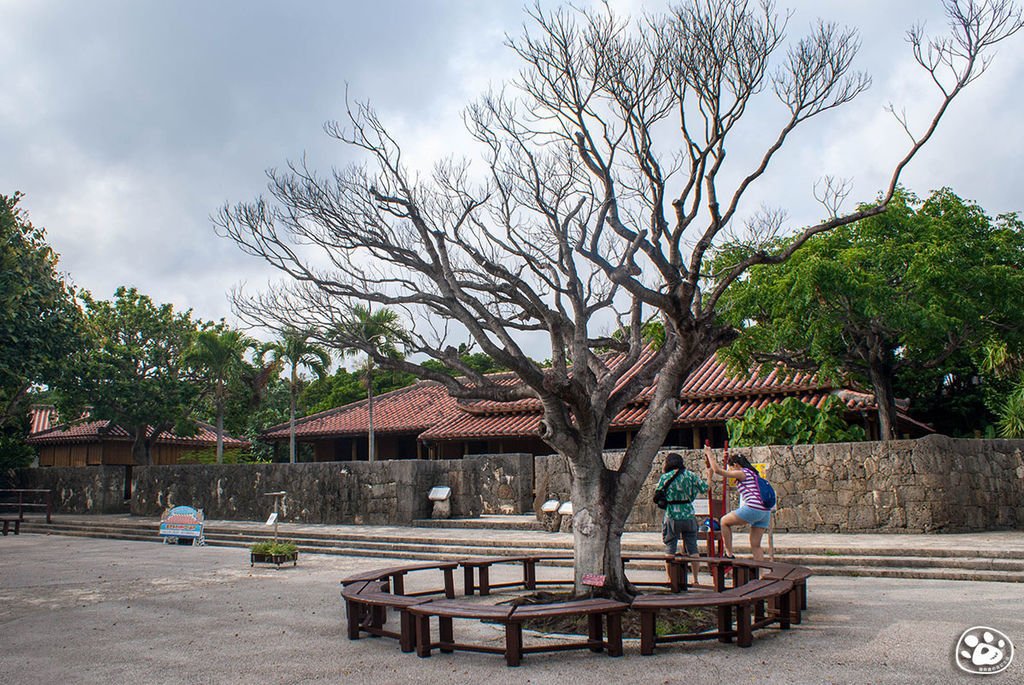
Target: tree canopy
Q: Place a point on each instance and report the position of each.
(602, 185)
(902, 290)
(218, 355)
(135, 368)
(40, 321)
(295, 350)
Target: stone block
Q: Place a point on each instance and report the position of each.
(861, 519)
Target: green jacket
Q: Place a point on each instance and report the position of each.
(688, 486)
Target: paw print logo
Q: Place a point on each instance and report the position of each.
(983, 651)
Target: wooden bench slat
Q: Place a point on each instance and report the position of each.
(456, 609)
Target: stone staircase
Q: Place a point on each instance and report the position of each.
(449, 541)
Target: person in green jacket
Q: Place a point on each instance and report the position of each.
(680, 520)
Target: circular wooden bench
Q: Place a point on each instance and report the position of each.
(762, 593)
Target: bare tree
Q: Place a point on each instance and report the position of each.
(582, 211)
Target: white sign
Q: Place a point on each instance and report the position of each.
(440, 493)
(272, 519)
(550, 506)
(565, 509)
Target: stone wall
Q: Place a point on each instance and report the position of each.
(386, 492)
(934, 484)
(79, 490)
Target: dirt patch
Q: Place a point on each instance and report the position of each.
(670, 622)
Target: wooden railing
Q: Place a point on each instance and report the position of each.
(20, 499)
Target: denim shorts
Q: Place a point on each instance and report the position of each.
(757, 518)
(673, 529)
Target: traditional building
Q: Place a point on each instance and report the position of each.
(422, 421)
(89, 443)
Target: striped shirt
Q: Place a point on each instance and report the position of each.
(750, 494)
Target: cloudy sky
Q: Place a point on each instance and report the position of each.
(128, 123)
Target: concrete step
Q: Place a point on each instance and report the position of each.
(891, 563)
(484, 523)
(545, 541)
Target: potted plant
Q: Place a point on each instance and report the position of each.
(273, 552)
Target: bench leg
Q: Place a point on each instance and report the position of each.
(725, 631)
(6, 527)
(803, 595)
(468, 584)
(398, 584)
(674, 586)
(615, 634)
(794, 606)
(407, 632)
(513, 643)
(596, 632)
(719, 577)
(759, 610)
(378, 617)
(445, 634)
(422, 636)
(449, 583)
(744, 630)
(785, 614)
(648, 619)
(530, 574)
(485, 580)
(355, 618)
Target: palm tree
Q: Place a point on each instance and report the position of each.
(219, 354)
(363, 331)
(296, 349)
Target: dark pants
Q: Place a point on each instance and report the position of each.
(673, 529)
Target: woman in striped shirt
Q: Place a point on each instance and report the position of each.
(751, 512)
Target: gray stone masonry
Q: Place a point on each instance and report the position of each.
(935, 484)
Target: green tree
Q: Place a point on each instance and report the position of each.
(792, 422)
(898, 291)
(40, 322)
(345, 387)
(218, 355)
(296, 349)
(376, 333)
(477, 361)
(1007, 400)
(135, 370)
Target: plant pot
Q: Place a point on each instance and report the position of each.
(276, 559)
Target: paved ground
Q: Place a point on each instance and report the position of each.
(97, 611)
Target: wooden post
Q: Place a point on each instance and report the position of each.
(648, 619)
(513, 643)
(445, 634)
(596, 631)
(615, 633)
(422, 636)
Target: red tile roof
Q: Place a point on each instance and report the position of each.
(709, 395)
(96, 431)
(407, 410)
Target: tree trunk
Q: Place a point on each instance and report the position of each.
(599, 517)
(291, 419)
(141, 453)
(881, 382)
(220, 434)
